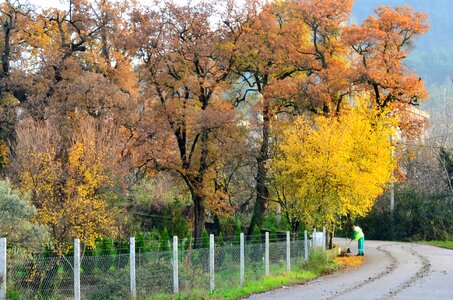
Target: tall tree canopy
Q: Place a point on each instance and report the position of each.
(104, 93)
(335, 167)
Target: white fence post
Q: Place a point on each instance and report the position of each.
(266, 253)
(76, 269)
(211, 262)
(305, 245)
(132, 267)
(288, 252)
(242, 264)
(175, 265)
(324, 238)
(2, 269)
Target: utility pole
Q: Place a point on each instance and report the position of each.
(392, 193)
(392, 184)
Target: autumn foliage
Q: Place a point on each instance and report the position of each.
(336, 167)
(71, 196)
(242, 105)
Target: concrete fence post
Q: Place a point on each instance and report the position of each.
(132, 267)
(76, 269)
(288, 252)
(266, 253)
(2, 269)
(211, 262)
(242, 260)
(175, 265)
(305, 245)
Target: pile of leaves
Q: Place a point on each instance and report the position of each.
(349, 261)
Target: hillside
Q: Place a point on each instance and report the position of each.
(433, 55)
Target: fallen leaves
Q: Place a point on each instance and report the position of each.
(350, 261)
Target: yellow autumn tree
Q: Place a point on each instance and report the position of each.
(335, 166)
(70, 199)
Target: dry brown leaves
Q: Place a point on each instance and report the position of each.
(350, 261)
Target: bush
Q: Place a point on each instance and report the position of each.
(317, 262)
(416, 217)
(256, 239)
(270, 222)
(220, 241)
(165, 241)
(238, 232)
(111, 286)
(204, 239)
(15, 215)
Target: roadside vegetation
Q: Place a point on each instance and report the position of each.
(121, 119)
(319, 264)
(443, 244)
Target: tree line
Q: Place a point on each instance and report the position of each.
(232, 107)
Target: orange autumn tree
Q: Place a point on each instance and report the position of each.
(379, 46)
(291, 61)
(334, 61)
(14, 16)
(335, 167)
(187, 123)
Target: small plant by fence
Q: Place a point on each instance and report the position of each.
(139, 274)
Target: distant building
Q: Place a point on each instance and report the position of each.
(420, 124)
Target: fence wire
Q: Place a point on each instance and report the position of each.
(227, 267)
(154, 273)
(104, 277)
(40, 278)
(194, 270)
(108, 276)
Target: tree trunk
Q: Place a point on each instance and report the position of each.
(217, 227)
(199, 213)
(262, 193)
(296, 229)
(7, 27)
(331, 234)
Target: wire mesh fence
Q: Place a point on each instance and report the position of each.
(41, 278)
(156, 273)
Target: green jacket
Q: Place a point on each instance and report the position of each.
(357, 234)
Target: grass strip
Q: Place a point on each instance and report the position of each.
(319, 264)
(442, 244)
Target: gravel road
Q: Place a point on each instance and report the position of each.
(392, 270)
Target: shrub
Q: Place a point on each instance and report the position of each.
(256, 239)
(416, 216)
(164, 240)
(204, 239)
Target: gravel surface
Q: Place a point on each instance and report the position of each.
(392, 270)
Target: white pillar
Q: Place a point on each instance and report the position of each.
(288, 252)
(175, 266)
(392, 183)
(132, 267)
(2, 269)
(211, 262)
(76, 269)
(305, 245)
(266, 253)
(324, 238)
(242, 264)
(392, 193)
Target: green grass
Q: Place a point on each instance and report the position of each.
(266, 284)
(443, 244)
(318, 265)
(251, 287)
